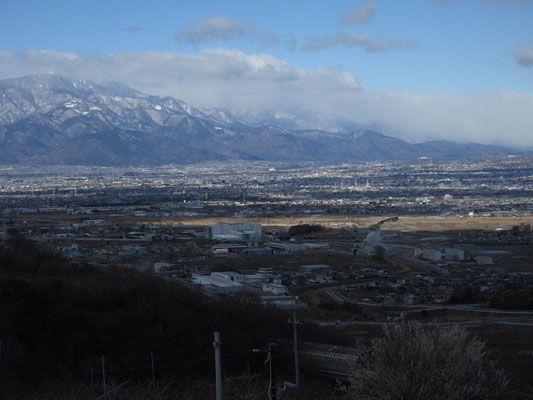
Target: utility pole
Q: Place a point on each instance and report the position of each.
(218, 365)
(273, 389)
(272, 357)
(153, 368)
(103, 377)
(296, 364)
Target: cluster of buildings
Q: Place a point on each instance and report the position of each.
(264, 284)
(431, 288)
(468, 188)
(461, 252)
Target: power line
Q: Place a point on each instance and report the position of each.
(124, 369)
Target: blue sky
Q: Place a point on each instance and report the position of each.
(428, 69)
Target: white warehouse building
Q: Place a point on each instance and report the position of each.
(432, 255)
(244, 231)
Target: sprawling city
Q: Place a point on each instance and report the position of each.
(347, 248)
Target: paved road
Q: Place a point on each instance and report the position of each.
(525, 322)
(335, 295)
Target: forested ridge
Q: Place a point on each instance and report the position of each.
(58, 320)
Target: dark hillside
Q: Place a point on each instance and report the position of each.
(58, 319)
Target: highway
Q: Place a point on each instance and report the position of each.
(335, 295)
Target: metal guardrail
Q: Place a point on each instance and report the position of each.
(327, 360)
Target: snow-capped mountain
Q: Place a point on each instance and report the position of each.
(51, 119)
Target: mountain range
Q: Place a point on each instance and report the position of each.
(49, 119)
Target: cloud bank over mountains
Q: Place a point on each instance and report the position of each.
(233, 79)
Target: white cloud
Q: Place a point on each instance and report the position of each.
(360, 16)
(213, 28)
(524, 55)
(313, 44)
(211, 77)
(224, 28)
(230, 78)
(490, 117)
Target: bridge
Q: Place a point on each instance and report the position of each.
(383, 221)
(392, 219)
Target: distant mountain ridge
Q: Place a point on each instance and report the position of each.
(49, 119)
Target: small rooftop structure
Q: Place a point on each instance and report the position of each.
(265, 271)
(314, 268)
(258, 251)
(275, 288)
(285, 247)
(226, 248)
(217, 283)
(228, 275)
